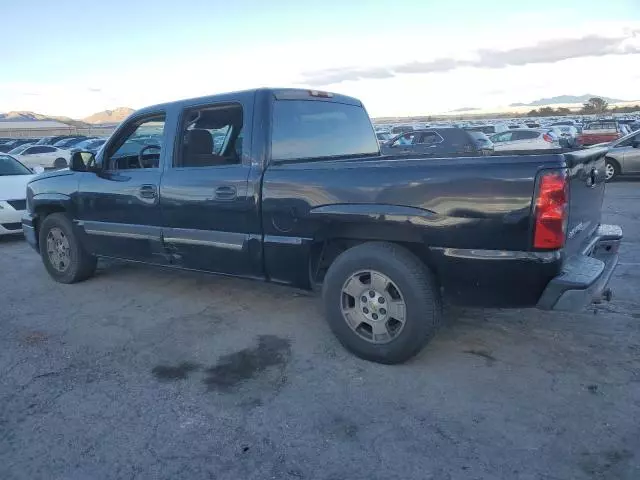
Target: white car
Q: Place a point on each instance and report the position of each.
(525, 139)
(45, 156)
(14, 177)
(489, 129)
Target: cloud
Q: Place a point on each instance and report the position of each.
(94, 90)
(465, 109)
(547, 51)
(30, 94)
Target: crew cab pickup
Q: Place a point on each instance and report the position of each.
(289, 186)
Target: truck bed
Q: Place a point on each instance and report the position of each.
(460, 207)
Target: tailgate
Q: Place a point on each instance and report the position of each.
(587, 186)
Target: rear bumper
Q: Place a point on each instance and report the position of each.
(29, 230)
(585, 276)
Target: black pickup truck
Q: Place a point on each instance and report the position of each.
(289, 186)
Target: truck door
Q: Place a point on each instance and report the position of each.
(209, 207)
(631, 159)
(118, 207)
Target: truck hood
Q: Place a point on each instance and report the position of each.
(14, 187)
(51, 174)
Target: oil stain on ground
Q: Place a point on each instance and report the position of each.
(233, 369)
(168, 373)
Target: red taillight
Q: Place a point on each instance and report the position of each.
(547, 138)
(551, 211)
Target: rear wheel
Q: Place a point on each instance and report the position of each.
(60, 163)
(62, 254)
(381, 302)
(612, 169)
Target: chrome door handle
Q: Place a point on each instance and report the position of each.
(226, 192)
(148, 191)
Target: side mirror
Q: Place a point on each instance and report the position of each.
(82, 161)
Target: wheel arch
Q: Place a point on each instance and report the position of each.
(345, 226)
(615, 161)
(44, 204)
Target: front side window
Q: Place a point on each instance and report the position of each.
(139, 145)
(211, 136)
(309, 129)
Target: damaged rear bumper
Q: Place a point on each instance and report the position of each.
(585, 276)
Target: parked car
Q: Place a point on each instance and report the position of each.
(45, 156)
(483, 143)
(67, 143)
(300, 195)
(398, 129)
(435, 142)
(489, 129)
(52, 140)
(599, 132)
(14, 177)
(625, 129)
(623, 156)
(90, 145)
(567, 135)
(525, 139)
(8, 146)
(383, 137)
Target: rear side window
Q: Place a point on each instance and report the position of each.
(307, 129)
(428, 138)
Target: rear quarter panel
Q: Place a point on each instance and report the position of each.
(445, 207)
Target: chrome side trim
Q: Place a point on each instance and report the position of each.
(285, 240)
(121, 230)
(479, 254)
(206, 238)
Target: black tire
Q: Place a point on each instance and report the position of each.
(60, 163)
(419, 290)
(82, 265)
(611, 163)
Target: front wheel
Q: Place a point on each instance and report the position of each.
(612, 170)
(62, 254)
(381, 302)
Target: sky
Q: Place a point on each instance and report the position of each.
(400, 57)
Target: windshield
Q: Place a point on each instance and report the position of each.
(10, 166)
(20, 149)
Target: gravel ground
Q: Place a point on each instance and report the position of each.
(145, 373)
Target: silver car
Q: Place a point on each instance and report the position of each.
(623, 156)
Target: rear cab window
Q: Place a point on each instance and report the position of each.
(306, 130)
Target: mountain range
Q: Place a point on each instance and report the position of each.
(106, 116)
(564, 99)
